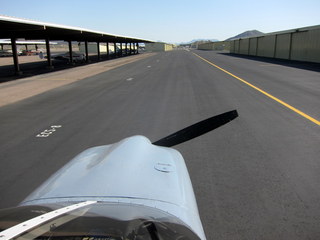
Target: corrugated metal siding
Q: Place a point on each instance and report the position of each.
(283, 46)
(244, 46)
(219, 46)
(236, 46)
(314, 50)
(206, 46)
(266, 46)
(299, 47)
(306, 46)
(232, 46)
(253, 46)
(158, 47)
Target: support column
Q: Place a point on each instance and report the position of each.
(98, 51)
(50, 66)
(120, 49)
(15, 57)
(115, 49)
(130, 49)
(70, 53)
(275, 46)
(257, 46)
(137, 45)
(86, 50)
(290, 46)
(126, 48)
(108, 52)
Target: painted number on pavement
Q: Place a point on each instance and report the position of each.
(48, 132)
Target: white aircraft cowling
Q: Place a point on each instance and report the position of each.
(132, 171)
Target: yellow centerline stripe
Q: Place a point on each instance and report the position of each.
(265, 93)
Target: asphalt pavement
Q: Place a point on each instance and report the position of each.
(255, 178)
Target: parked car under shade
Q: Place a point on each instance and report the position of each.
(76, 57)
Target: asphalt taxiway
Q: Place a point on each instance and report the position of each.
(254, 178)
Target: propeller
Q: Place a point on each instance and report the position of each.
(197, 129)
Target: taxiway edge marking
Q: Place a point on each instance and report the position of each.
(264, 92)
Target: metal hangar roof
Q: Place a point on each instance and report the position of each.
(12, 27)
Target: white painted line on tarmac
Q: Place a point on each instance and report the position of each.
(47, 132)
(129, 79)
(263, 92)
(149, 66)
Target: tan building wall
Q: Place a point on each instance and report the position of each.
(266, 46)
(168, 47)
(253, 46)
(206, 46)
(244, 46)
(158, 47)
(306, 46)
(223, 45)
(282, 46)
(298, 44)
(92, 48)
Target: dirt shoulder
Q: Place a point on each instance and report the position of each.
(14, 91)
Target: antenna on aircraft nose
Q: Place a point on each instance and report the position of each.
(197, 129)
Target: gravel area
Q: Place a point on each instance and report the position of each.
(8, 61)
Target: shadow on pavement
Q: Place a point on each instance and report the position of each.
(7, 73)
(288, 63)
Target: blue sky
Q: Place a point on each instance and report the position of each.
(170, 21)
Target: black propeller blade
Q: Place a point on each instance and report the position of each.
(197, 129)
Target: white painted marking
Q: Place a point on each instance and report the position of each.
(48, 132)
(31, 223)
(129, 79)
(149, 66)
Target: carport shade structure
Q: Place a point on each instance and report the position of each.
(16, 28)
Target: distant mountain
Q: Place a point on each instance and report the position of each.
(198, 40)
(203, 40)
(252, 33)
